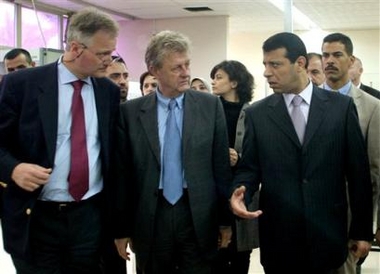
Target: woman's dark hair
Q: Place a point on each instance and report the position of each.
(237, 72)
(142, 78)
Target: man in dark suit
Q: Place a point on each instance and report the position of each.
(303, 170)
(355, 72)
(17, 59)
(53, 209)
(181, 234)
(118, 73)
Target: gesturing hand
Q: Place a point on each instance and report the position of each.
(238, 206)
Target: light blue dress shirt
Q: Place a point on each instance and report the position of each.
(345, 90)
(57, 187)
(162, 114)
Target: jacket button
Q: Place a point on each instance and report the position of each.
(28, 211)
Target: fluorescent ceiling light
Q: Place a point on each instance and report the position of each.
(297, 15)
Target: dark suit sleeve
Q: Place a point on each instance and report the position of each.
(358, 179)
(9, 106)
(120, 199)
(222, 170)
(248, 172)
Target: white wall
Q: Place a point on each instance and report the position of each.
(207, 34)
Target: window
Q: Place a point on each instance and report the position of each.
(7, 24)
(43, 32)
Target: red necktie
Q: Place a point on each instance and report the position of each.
(78, 176)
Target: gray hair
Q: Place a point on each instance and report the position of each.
(84, 24)
(164, 43)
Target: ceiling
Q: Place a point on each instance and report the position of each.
(244, 16)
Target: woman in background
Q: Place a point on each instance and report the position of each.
(148, 83)
(233, 83)
(200, 84)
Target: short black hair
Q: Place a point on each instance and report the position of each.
(290, 42)
(13, 53)
(142, 78)
(340, 37)
(118, 59)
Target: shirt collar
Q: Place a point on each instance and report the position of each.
(164, 101)
(343, 90)
(66, 76)
(305, 94)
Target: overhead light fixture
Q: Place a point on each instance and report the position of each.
(197, 9)
(298, 16)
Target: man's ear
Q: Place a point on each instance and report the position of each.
(301, 61)
(75, 48)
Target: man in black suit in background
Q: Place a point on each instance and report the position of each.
(302, 164)
(171, 234)
(53, 215)
(355, 73)
(17, 59)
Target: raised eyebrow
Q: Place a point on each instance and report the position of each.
(272, 63)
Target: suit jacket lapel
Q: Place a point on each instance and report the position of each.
(103, 112)
(356, 95)
(280, 116)
(48, 107)
(317, 112)
(190, 111)
(149, 120)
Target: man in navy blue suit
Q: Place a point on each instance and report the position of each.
(47, 227)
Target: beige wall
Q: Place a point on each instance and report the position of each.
(207, 34)
(212, 43)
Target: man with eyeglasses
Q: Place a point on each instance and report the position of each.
(117, 72)
(17, 59)
(56, 131)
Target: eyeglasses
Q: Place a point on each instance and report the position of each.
(100, 55)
